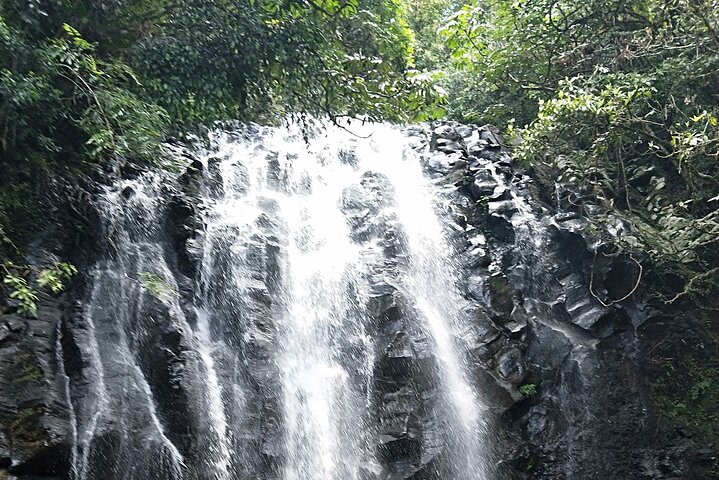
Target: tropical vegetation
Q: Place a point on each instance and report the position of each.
(614, 101)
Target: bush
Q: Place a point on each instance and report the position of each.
(618, 102)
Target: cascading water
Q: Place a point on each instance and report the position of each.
(274, 186)
(123, 412)
(318, 340)
(60, 365)
(430, 282)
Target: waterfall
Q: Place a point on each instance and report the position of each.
(272, 186)
(318, 336)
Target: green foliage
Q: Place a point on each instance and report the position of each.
(425, 18)
(20, 290)
(265, 59)
(528, 389)
(615, 100)
(62, 105)
(53, 277)
(518, 51)
(685, 392)
(157, 286)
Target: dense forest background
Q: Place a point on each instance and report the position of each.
(608, 102)
(84, 83)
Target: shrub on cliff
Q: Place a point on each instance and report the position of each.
(615, 99)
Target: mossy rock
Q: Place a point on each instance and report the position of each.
(26, 370)
(30, 373)
(501, 294)
(685, 377)
(28, 435)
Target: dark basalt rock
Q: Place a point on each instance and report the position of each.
(567, 324)
(500, 228)
(510, 365)
(35, 437)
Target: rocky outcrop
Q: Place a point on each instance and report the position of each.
(571, 344)
(37, 353)
(34, 412)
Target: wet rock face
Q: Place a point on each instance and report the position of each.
(568, 348)
(556, 343)
(36, 354)
(408, 438)
(34, 430)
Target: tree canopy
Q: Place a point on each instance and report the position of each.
(82, 82)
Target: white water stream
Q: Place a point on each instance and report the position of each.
(323, 277)
(275, 357)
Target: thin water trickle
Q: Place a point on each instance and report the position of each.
(86, 434)
(72, 417)
(220, 454)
